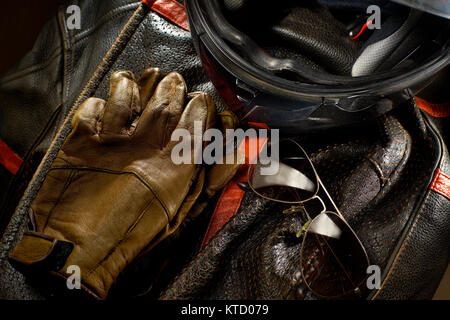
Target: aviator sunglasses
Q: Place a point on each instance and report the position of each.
(333, 260)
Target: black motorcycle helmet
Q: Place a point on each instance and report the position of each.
(302, 65)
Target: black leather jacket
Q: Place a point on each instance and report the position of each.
(40, 95)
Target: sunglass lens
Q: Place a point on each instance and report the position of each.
(333, 260)
(295, 179)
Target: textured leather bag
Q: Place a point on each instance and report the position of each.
(390, 181)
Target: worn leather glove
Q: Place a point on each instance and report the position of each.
(113, 191)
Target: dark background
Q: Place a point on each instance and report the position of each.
(20, 23)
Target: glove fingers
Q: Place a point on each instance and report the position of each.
(200, 109)
(228, 120)
(147, 84)
(124, 100)
(219, 175)
(197, 117)
(88, 117)
(163, 110)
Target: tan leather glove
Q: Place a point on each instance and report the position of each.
(113, 191)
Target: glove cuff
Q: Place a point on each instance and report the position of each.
(39, 252)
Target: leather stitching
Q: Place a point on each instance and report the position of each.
(417, 219)
(68, 182)
(118, 14)
(103, 20)
(122, 239)
(133, 172)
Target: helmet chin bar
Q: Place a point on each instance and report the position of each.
(287, 93)
(260, 58)
(243, 45)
